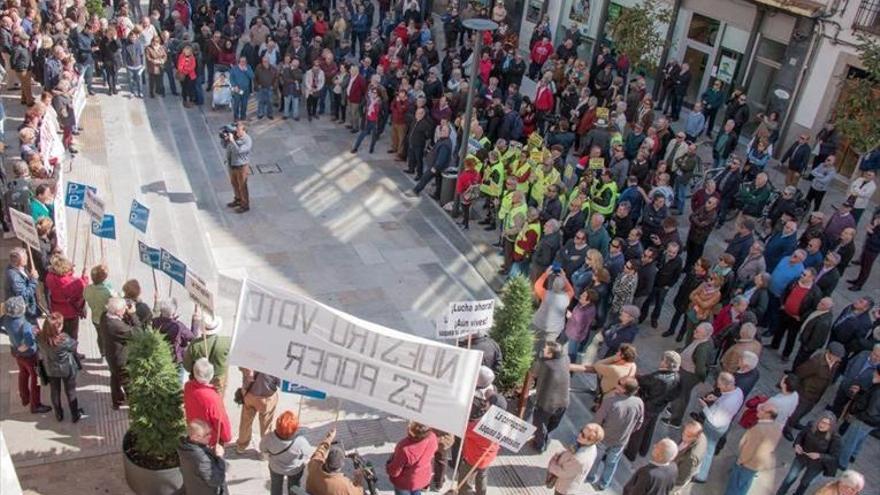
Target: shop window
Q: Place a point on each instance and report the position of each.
(868, 16)
(704, 29)
(771, 50)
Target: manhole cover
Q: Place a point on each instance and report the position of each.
(269, 168)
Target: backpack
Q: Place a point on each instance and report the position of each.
(18, 195)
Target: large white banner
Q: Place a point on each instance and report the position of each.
(301, 340)
(79, 101)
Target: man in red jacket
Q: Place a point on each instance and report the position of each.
(354, 93)
(201, 401)
(540, 53)
(544, 102)
(399, 109)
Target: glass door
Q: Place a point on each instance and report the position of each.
(698, 60)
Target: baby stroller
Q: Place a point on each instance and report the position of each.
(221, 94)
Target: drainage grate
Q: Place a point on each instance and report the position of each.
(268, 168)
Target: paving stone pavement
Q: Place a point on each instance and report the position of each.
(330, 224)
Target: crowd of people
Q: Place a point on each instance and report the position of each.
(586, 184)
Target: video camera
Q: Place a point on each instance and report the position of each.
(366, 469)
(225, 131)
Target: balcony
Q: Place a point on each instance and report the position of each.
(868, 17)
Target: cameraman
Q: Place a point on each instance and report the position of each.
(238, 156)
(325, 476)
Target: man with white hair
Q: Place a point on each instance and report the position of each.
(657, 390)
(202, 464)
(116, 334)
(23, 344)
(746, 342)
(658, 476)
(545, 252)
(815, 331)
(212, 345)
(756, 451)
(202, 402)
(175, 331)
(695, 361)
(691, 450)
(848, 483)
(746, 377)
(718, 411)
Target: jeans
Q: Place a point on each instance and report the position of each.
(712, 436)
(612, 458)
(277, 482)
(134, 82)
(517, 268)
(312, 106)
(69, 384)
(574, 348)
(28, 382)
(681, 186)
(169, 73)
(291, 107)
(156, 86)
(798, 466)
(88, 72)
(239, 105)
(110, 76)
(852, 440)
(740, 480)
(210, 68)
(264, 103)
(368, 130)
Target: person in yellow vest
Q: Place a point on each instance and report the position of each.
(521, 170)
(491, 188)
(511, 225)
(603, 194)
(542, 177)
(506, 153)
(525, 243)
(504, 204)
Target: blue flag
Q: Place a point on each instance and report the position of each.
(295, 388)
(76, 195)
(150, 256)
(139, 216)
(173, 267)
(107, 228)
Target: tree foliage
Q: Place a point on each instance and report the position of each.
(857, 113)
(95, 7)
(636, 34)
(512, 330)
(154, 398)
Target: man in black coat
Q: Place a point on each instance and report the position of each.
(679, 89)
(742, 241)
(491, 349)
(670, 266)
(796, 159)
(202, 466)
(420, 132)
(815, 331)
(657, 390)
(658, 476)
(828, 275)
(727, 182)
(115, 335)
(799, 299)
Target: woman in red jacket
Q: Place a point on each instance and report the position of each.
(478, 453)
(411, 466)
(66, 293)
(186, 70)
(467, 188)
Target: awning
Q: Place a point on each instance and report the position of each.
(803, 8)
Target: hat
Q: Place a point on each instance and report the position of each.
(212, 324)
(485, 377)
(601, 122)
(632, 311)
(335, 459)
(836, 349)
(849, 203)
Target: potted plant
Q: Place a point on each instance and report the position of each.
(512, 330)
(155, 414)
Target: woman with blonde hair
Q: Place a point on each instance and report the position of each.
(66, 293)
(583, 277)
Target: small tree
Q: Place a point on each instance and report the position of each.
(95, 7)
(155, 401)
(512, 330)
(857, 113)
(635, 34)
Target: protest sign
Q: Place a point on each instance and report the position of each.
(172, 267)
(139, 216)
(293, 337)
(597, 163)
(79, 101)
(198, 290)
(94, 205)
(75, 195)
(295, 388)
(466, 318)
(24, 228)
(106, 229)
(150, 256)
(504, 428)
(59, 215)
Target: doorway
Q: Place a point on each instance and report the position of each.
(698, 60)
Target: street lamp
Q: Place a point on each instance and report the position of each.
(477, 26)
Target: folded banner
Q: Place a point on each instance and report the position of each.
(301, 340)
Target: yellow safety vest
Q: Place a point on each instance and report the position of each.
(506, 203)
(493, 180)
(532, 227)
(542, 181)
(519, 171)
(515, 211)
(597, 193)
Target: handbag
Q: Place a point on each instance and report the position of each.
(179, 75)
(471, 194)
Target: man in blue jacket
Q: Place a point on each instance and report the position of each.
(23, 283)
(241, 77)
(440, 159)
(780, 245)
(858, 374)
(23, 343)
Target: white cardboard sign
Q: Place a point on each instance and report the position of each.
(298, 339)
(94, 206)
(466, 318)
(504, 428)
(24, 228)
(198, 290)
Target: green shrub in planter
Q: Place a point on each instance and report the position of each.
(512, 330)
(155, 401)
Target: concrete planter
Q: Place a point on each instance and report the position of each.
(145, 481)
